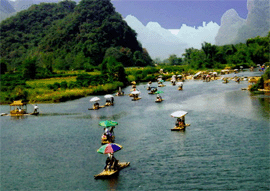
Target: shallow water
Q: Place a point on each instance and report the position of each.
(225, 148)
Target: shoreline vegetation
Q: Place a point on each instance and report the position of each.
(61, 89)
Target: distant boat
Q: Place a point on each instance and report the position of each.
(18, 108)
(180, 123)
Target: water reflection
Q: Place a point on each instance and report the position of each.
(113, 183)
(265, 102)
(17, 117)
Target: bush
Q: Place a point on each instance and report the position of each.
(73, 85)
(56, 85)
(63, 85)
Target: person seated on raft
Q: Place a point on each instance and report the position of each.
(35, 108)
(104, 137)
(109, 135)
(159, 97)
(108, 102)
(111, 130)
(112, 100)
(179, 122)
(107, 165)
(114, 162)
(96, 105)
(120, 93)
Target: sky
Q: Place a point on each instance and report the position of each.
(172, 14)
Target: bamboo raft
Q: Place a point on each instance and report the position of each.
(158, 101)
(108, 174)
(135, 99)
(109, 104)
(182, 128)
(5, 114)
(94, 108)
(161, 85)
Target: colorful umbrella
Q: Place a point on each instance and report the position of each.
(159, 92)
(108, 123)
(109, 148)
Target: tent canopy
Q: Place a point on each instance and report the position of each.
(17, 103)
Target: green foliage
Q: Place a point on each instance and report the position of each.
(113, 70)
(63, 85)
(3, 66)
(173, 60)
(255, 51)
(123, 55)
(29, 68)
(19, 93)
(260, 83)
(85, 80)
(56, 86)
(68, 36)
(10, 81)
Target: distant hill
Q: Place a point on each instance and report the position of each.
(231, 22)
(6, 9)
(257, 22)
(19, 5)
(159, 42)
(68, 36)
(235, 30)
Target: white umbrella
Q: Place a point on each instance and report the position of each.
(180, 83)
(135, 92)
(179, 114)
(225, 70)
(94, 99)
(108, 96)
(214, 73)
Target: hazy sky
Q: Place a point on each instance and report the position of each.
(172, 14)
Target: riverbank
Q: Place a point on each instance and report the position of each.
(42, 94)
(61, 89)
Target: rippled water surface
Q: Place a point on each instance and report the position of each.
(225, 148)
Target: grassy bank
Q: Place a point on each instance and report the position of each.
(39, 93)
(70, 94)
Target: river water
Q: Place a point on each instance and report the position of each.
(226, 147)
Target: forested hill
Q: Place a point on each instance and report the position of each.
(68, 36)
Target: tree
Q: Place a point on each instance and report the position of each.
(174, 60)
(113, 70)
(29, 67)
(121, 54)
(3, 66)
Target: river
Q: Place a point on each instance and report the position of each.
(226, 147)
